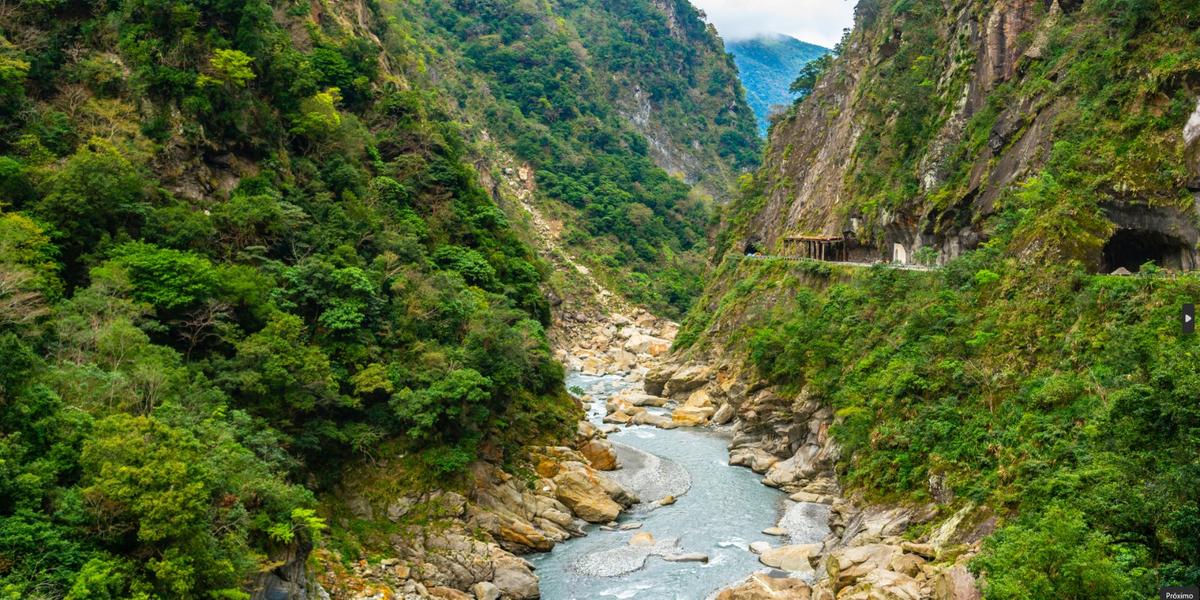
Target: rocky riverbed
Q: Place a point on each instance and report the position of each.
(868, 550)
(692, 533)
(691, 478)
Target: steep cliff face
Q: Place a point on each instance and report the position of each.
(1003, 411)
(936, 112)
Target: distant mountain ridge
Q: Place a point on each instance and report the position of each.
(768, 64)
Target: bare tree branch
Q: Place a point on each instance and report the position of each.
(19, 303)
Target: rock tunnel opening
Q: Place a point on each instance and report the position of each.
(1132, 248)
(751, 249)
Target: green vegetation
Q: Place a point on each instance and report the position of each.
(555, 84)
(810, 73)
(239, 250)
(1063, 401)
(1012, 379)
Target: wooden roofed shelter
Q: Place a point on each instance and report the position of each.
(818, 247)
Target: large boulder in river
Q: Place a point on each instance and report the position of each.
(688, 416)
(763, 587)
(808, 461)
(847, 565)
(659, 421)
(797, 558)
(723, 415)
(636, 398)
(585, 430)
(686, 379)
(515, 579)
(639, 343)
(642, 538)
(656, 379)
(580, 489)
(757, 459)
(600, 454)
(619, 417)
(621, 360)
(699, 399)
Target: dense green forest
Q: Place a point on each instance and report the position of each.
(550, 83)
(1064, 402)
(240, 243)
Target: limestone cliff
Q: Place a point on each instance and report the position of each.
(936, 111)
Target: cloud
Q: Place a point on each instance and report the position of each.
(814, 21)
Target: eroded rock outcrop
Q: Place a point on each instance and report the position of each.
(764, 587)
(461, 545)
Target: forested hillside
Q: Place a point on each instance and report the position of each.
(617, 108)
(1046, 412)
(244, 245)
(240, 244)
(769, 64)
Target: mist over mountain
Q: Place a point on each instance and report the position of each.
(768, 64)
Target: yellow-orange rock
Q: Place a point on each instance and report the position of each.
(599, 453)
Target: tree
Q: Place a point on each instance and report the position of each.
(1051, 555)
(469, 263)
(144, 481)
(446, 410)
(810, 74)
(168, 280)
(20, 301)
(231, 67)
(319, 117)
(94, 196)
(279, 375)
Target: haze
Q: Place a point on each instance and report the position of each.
(814, 21)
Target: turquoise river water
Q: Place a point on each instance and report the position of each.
(719, 511)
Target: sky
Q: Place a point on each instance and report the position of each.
(814, 21)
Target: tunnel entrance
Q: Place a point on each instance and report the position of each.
(751, 249)
(1132, 248)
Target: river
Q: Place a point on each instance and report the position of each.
(720, 510)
